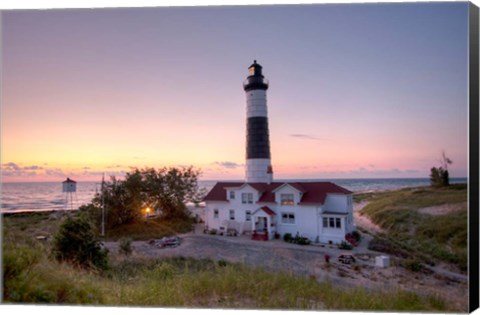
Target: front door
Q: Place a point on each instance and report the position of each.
(261, 225)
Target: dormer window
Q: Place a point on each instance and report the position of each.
(232, 194)
(247, 198)
(286, 199)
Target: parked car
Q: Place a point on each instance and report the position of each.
(346, 258)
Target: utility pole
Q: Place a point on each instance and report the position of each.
(103, 206)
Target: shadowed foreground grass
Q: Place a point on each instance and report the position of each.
(31, 276)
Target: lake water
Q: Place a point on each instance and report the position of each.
(46, 196)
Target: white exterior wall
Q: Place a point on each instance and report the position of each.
(240, 222)
(257, 103)
(308, 218)
(342, 204)
(306, 222)
(256, 171)
(333, 235)
(335, 203)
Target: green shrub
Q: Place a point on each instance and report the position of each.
(345, 245)
(125, 246)
(412, 264)
(300, 240)
(75, 242)
(287, 237)
(222, 263)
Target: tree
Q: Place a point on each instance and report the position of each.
(165, 189)
(168, 189)
(199, 195)
(75, 242)
(439, 177)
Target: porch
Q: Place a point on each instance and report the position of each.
(263, 224)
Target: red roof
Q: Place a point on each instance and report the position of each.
(69, 180)
(316, 192)
(312, 192)
(218, 192)
(268, 211)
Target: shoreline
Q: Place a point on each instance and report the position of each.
(358, 192)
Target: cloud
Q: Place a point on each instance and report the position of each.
(303, 136)
(11, 167)
(33, 167)
(55, 172)
(14, 170)
(226, 164)
(114, 166)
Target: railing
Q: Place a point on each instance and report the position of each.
(255, 81)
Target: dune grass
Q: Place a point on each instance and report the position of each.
(31, 276)
(440, 237)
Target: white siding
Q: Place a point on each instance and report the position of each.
(256, 171)
(308, 219)
(257, 103)
(336, 203)
(236, 204)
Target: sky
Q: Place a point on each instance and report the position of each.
(356, 90)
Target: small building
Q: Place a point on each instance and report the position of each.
(69, 185)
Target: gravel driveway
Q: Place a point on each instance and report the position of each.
(277, 255)
(273, 255)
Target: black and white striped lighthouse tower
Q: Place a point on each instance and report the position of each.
(259, 164)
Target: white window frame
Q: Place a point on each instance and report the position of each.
(287, 199)
(231, 214)
(332, 223)
(288, 218)
(215, 213)
(232, 194)
(247, 198)
(338, 223)
(248, 215)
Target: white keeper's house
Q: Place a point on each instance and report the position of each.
(262, 207)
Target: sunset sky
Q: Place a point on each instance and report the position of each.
(356, 90)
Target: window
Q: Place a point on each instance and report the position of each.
(334, 223)
(232, 194)
(247, 198)
(215, 213)
(248, 215)
(232, 214)
(288, 217)
(286, 199)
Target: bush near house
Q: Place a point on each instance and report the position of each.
(345, 245)
(300, 240)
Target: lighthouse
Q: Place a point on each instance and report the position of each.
(259, 164)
